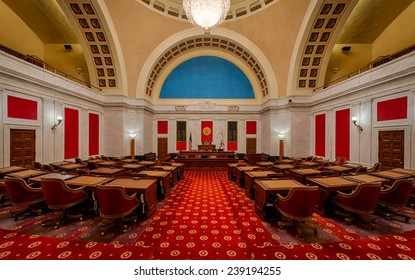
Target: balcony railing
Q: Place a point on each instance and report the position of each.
(40, 63)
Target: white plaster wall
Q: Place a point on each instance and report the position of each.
(2, 147)
(299, 139)
(113, 133)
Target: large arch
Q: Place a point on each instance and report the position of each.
(219, 42)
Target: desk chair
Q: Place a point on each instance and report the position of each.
(116, 207)
(358, 205)
(297, 208)
(392, 200)
(64, 199)
(24, 197)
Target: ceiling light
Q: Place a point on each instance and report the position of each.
(206, 13)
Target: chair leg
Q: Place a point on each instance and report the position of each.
(121, 222)
(388, 213)
(58, 221)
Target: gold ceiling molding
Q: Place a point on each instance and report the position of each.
(319, 39)
(211, 42)
(239, 8)
(97, 41)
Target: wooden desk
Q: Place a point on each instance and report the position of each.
(96, 160)
(266, 164)
(180, 172)
(163, 180)
(282, 167)
(288, 161)
(327, 187)
(147, 188)
(301, 174)
(250, 177)
(147, 163)
(309, 163)
(366, 178)
(391, 175)
(106, 171)
(173, 172)
(231, 167)
(264, 188)
(107, 163)
(240, 176)
(88, 181)
(338, 169)
(134, 167)
(72, 166)
(206, 147)
(10, 169)
(218, 163)
(128, 160)
(58, 164)
(25, 174)
(404, 171)
(37, 179)
(353, 166)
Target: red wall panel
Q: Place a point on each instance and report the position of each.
(181, 146)
(93, 134)
(162, 127)
(71, 121)
(394, 109)
(21, 108)
(343, 133)
(250, 127)
(207, 131)
(320, 132)
(232, 146)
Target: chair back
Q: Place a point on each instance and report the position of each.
(362, 200)
(114, 202)
(376, 167)
(48, 167)
(21, 193)
(78, 160)
(299, 203)
(37, 165)
(398, 194)
(58, 195)
(92, 165)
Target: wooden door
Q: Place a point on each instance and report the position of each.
(22, 147)
(391, 148)
(161, 148)
(251, 145)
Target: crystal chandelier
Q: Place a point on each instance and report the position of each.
(206, 13)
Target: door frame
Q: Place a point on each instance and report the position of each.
(408, 154)
(6, 137)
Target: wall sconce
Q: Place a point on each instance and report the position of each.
(281, 136)
(354, 120)
(132, 145)
(59, 120)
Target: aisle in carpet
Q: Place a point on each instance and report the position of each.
(206, 217)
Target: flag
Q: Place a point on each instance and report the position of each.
(190, 142)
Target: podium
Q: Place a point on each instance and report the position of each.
(206, 147)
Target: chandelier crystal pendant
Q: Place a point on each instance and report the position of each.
(206, 13)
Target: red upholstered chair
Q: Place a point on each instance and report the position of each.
(376, 167)
(359, 204)
(3, 192)
(60, 197)
(24, 197)
(116, 207)
(297, 207)
(393, 199)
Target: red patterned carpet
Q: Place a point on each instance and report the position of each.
(205, 217)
